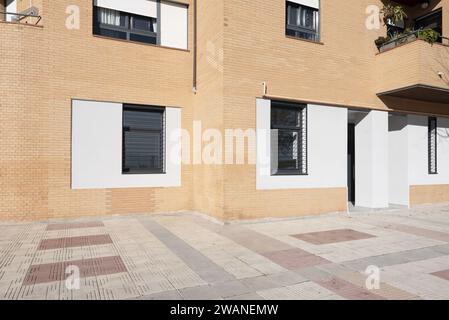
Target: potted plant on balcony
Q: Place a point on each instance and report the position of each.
(429, 35)
(393, 14)
(381, 41)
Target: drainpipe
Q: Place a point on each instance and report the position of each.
(195, 52)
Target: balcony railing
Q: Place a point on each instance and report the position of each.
(406, 38)
(26, 18)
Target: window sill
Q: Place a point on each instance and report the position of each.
(140, 43)
(286, 174)
(305, 40)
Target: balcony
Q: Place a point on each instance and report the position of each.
(409, 37)
(28, 16)
(414, 70)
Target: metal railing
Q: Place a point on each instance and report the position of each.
(408, 37)
(19, 17)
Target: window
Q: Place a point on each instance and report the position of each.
(143, 139)
(433, 20)
(302, 21)
(289, 138)
(432, 146)
(125, 26)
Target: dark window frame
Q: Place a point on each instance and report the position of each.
(301, 130)
(127, 29)
(316, 34)
(437, 13)
(144, 108)
(432, 126)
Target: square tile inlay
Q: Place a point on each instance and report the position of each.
(294, 259)
(49, 272)
(444, 274)
(332, 236)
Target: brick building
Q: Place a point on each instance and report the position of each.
(92, 92)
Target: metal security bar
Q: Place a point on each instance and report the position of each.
(432, 145)
(408, 37)
(20, 17)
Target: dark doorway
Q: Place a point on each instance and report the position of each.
(351, 162)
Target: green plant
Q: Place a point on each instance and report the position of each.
(429, 35)
(380, 41)
(395, 13)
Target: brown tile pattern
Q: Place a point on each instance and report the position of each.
(82, 241)
(294, 259)
(347, 289)
(332, 236)
(63, 226)
(444, 274)
(43, 273)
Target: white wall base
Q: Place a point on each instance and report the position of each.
(371, 160)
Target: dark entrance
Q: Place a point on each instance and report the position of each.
(351, 162)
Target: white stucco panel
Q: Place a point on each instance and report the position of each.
(418, 151)
(174, 25)
(146, 8)
(327, 149)
(308, 3)
(97, 148)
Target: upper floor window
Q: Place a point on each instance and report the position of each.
(126, 26)
(303, 19)
(148, 21)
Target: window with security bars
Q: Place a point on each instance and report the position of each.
(143, 144)
(288, 138)
(432, 145)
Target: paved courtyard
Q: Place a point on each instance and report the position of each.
(187, 256)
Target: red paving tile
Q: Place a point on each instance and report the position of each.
(63, 226)
(348, 290)
(43, 273)
(294, 259)
(332, 236)
(444, 274)
(81, 241)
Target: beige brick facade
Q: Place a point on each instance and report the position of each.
(240, 45)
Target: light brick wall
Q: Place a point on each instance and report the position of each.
(43, 68)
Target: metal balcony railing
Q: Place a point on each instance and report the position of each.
(20, 17)
(408, 37)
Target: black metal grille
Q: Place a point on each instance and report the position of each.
(143, 145)
(432, 145)
(289, 138)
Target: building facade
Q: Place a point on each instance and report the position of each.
(97, 94)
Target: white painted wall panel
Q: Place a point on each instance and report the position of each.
(146, 8)
(398, 160)
(327, 149)
(371, 160)
(11, 6)
(418, 151)
(97, 149)
(309, 3)
(174, 25)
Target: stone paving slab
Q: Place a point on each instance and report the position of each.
(187, 256)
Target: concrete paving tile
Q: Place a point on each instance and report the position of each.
(249, 296)
(167, 295)
(200, 293)
(232, 288)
